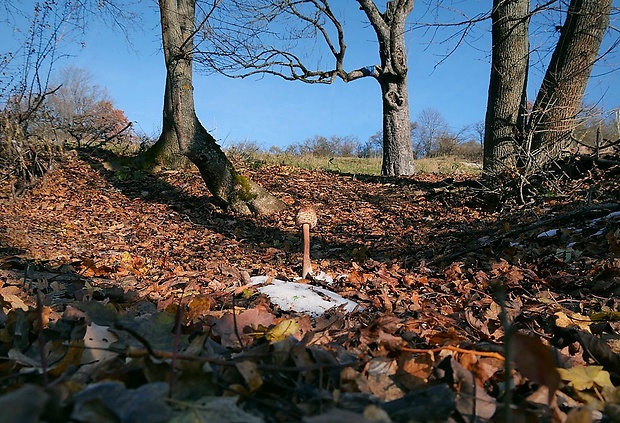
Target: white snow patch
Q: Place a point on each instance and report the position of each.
(612, 215)
(302, 298)
(548, 234)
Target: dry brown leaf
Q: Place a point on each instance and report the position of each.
(535, 361)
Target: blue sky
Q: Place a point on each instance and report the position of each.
(274, 112)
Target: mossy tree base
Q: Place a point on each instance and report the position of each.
(230, 189)
(183, 136)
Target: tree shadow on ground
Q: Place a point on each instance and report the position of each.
(8, 250)
(340, 240)
(58, 283)
(257, 233)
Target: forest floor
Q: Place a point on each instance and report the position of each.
(125, 297)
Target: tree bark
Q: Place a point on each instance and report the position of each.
(559, 99)
(507, 101)
(397, 148)
(392, 76)
(183, 135)
(166, 152)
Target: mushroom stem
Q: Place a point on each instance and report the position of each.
(307, 264)
(306, 218)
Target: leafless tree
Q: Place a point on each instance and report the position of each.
(24, 82)
(278, 37)
(559, 100)
(183, 136)
(42, 35)
(431, 126)
(373, 147)
(522, 138)
(83, 112)
(507, 100)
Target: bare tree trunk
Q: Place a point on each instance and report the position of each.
(182, 132)
(554, 116)
(397, 149)
(392, 76)
(166, 151)
(507, 101)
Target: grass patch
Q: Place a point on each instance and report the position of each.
(446, 164)
(358, 165)
(352, 165)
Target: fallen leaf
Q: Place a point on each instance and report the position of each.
(535, 361)
(587, 377)
(250, 373)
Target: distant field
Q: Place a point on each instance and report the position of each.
(447, 164)
(361, 166)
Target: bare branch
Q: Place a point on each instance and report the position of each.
(376, 18)
(276, 37)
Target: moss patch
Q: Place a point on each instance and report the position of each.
(243, 188)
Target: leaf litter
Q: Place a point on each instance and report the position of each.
(131, 299)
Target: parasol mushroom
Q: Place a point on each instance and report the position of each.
(306, 218)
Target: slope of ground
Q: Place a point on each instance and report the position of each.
(147, 271)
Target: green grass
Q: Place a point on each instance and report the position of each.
(353, 165)
(446, 164)
(360, 166)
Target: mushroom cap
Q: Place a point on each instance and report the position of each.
(306, 215)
